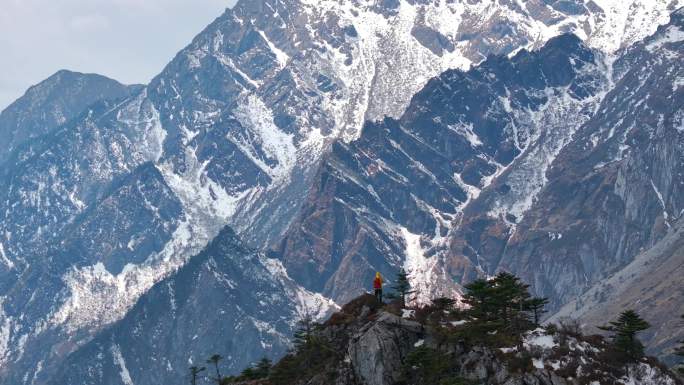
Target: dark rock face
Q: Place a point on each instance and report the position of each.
(397, 192)
(53, 102)
(228, 300)
(378, 349)
(616, 188)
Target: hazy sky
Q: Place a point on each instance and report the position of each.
(128, 40)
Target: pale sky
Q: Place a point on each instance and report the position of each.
(127, 40)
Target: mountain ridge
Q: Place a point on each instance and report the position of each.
(204, 123)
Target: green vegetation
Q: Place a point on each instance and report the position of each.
(401, 288)
(679, 350)
(429, 366)
(624, 331)
(214, 360)
(536, 307)
(194, 374)
(500, 306)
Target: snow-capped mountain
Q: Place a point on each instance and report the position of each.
(124, 193)
(560, 165)
(393, 197)
(228, 299)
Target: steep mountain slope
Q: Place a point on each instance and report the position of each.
(53, 102)
(231, 132)
(560, 165)
(390, 198)
(228, 300)
(651, 285)
(616, 188)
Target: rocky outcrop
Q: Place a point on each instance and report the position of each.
(377, 350)
(379, 347)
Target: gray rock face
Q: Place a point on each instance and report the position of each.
(229, 300)
(569, 169)
(379, 348)
(52, 103)
(391, 198)
(651, 284)
(616, 188)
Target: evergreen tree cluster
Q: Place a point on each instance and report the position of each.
(502, 305)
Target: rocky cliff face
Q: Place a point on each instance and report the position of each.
(613, 191)
(52, 103)
(395, 196)
(559, 165)
(229, 300)
(650, 284)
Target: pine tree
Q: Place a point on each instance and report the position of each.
(214, 360)
(679, 350)
(624, 330)
(536, 306)
(263, 368)
(304, 334)
(194, 373)
(443, 303)
(402, 287)
(498, 304)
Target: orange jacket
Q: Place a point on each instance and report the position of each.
(377, 283)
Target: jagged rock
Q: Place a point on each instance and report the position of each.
(378, 349)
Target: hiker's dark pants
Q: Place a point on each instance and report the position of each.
(378, 294)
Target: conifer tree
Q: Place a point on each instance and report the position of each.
(214, 360)
(304, 334)
(263, 368)
(624, 330)
(498, 304)
(536, 306)
(194, 373)
(443, 303)
(402, 287)
(679, 350)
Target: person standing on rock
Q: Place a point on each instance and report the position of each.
(377, 285)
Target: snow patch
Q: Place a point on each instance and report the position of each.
(281, 56)
(407, 313)
(257, 119)
(119, 361)
(672, 35)
(4, 258)
(538, 337)
(419, 268)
